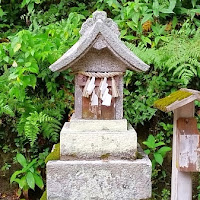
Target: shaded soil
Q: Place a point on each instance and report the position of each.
(7, 191)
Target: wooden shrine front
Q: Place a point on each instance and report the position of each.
(97, 112)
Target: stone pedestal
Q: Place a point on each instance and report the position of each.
(99, 180)
(98, 162)
(94, 139)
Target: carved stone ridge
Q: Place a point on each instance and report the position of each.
(99, 16)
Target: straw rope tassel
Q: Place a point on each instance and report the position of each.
(115, 92)
(85, 93)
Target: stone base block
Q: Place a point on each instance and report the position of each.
(99, 180)
(98, 125)
(90, 145)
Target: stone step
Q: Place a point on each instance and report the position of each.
(81, 125)
(98, 144)
(111, 180)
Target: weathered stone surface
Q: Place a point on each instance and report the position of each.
(99, 180)
(99, 25)
(95, 144)
(81, 125)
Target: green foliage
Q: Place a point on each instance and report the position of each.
(28, 177)
(165, 132)
(32, 125)
(155, 151)
(165, 194)
(181, 57)
(5, 109)
(26, 81)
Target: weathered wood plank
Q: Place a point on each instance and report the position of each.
(188, 145)
(181, 183)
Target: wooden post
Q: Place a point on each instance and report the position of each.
(181, 183)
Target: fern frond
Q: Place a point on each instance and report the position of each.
(36, 123)
(31, 131)
(6, 109)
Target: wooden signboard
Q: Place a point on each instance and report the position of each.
(188, 145)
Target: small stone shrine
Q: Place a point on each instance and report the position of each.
(98, 149)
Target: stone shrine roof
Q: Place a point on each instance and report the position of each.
(94, 27)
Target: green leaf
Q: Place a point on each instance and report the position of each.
(17, 47)
(172, 4)
(130, 37)
(153, 164)
(123, 33)
(150, 142)
(131, 24)
(21, 159)
(38, 181)
(159, 144)
(197, 22)
(30, 7)
(156, 8)
(136, 18)
(33, 68)
(23, 182)
(157, 40)
(2, 13)
(31, 169)
(30, 180)
(25, 80)
(29, 165)
(145, 40)
(158, 158)
(164, 10)
(28, 64)
(174, 21)
(164, 150)
(146, 18)
(23, 3)
(126, 92)
(14, 175)
(194, 3)
(147, 151)
(33, 80)
(6, 58)
(29, 80)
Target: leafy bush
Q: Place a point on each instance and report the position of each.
(28, 177)
(158, 154)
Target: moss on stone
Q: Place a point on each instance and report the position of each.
(175, 96)
(55, 154)
(44, 196)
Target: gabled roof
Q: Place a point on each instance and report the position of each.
(177, 99)
(90, 30)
